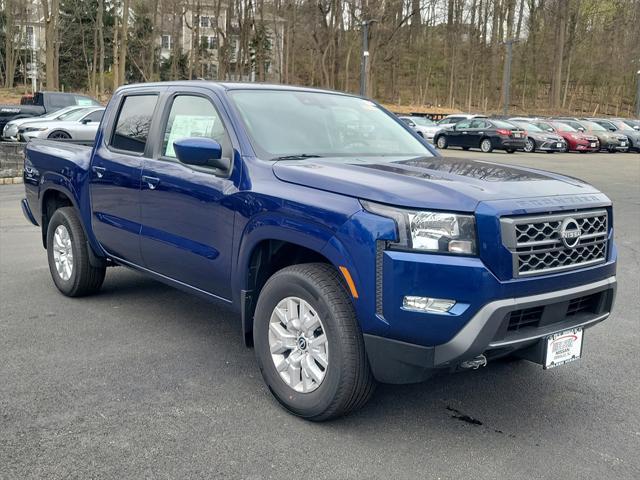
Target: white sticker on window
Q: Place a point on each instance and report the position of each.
(186, 126)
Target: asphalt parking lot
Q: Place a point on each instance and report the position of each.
(143, 381)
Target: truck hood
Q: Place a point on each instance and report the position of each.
(427, 182)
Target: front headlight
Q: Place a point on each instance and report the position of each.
(438, 232)
(35, 129)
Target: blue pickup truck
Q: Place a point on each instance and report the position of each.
(352, 251)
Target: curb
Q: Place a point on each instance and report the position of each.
(10, 180)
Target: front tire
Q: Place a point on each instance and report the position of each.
(530, 146)
(442, 142)
(309, 345)
(68, 256)
(59, 135)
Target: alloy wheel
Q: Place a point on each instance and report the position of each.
(529, 146)
(63, 252)
(298, 344)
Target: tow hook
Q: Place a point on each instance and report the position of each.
(476, 363)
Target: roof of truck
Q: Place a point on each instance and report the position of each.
(232, 86)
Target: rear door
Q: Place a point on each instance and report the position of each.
(115, 174)
(88, 126)
(187, 214)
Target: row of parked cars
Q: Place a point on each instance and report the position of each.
(530, 134)
(69, 123)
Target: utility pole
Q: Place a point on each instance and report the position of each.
(506, 79)
(638, 94)
(364, 65)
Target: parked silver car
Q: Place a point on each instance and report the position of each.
(422, 125)
(84, 127)
(623, 128)
(10, 130)
(538, 139)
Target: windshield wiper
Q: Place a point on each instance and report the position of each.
(297, 157)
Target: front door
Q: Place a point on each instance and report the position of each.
(458, 135)
(115, 177)
(187, 218)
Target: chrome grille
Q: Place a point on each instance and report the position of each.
(537, 247)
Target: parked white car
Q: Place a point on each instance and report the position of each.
(10, 131)
(83, 126)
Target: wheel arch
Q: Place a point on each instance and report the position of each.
(55, 196)
(61, 130)
(266, 250)
(52, 199)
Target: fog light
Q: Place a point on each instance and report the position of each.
(461, 246)
(427, 304)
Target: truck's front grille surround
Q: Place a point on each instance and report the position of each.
(537, 247)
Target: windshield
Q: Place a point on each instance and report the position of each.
(621, 125)
(529, 126)
(75, 115)
(501, 124)
(425, 122)
(563, 127)
(287, 123)
(593, 126)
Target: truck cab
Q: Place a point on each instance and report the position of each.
(351, 250)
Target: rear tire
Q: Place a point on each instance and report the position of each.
(486, 146)
(441, 142)
(68, 256)
(314, 387)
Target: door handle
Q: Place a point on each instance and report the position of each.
(99, 171)
(152, 182)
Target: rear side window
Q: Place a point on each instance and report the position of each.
(133, 122)
(60, 100)
(94, 116)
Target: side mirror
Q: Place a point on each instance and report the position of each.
(200, 152)
(85, 121)
(637, 127)
(581, 129)
(612, 129)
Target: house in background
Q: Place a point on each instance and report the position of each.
(180, 29)
(206, 29)
(27, 23)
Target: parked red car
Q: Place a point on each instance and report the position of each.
(576, 141)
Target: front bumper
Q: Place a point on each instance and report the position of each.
(551, 145)
(489, 332)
